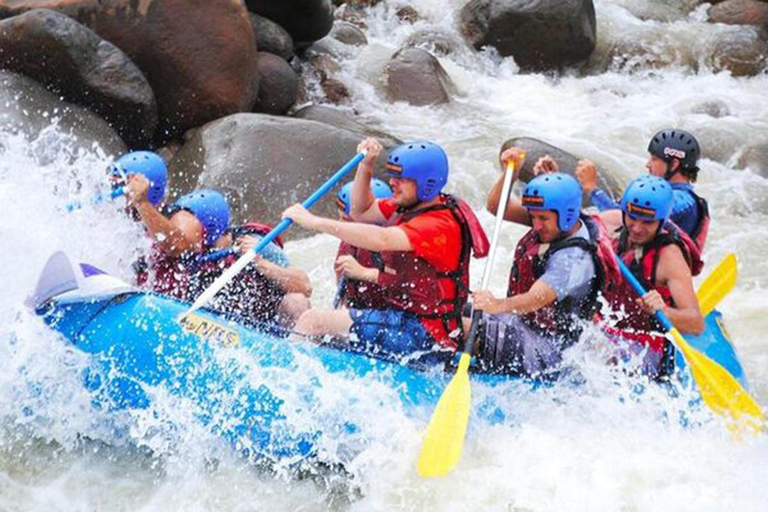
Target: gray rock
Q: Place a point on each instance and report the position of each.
(415, 76)
(714, 108)
(27, 108)
(755, 158)
(265, 163)
(345, 121)
(305, 20)
(742, 53)
(74, 62)
(540, 34)
(348, 33)
(535, 149)
(198, 55)
(278, 84)
(271, 37)
(437, 41)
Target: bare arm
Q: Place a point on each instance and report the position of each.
(674, 273)
(540, 295)
(179, 234)
(363, 203)
(290, 279)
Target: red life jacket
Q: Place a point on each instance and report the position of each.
(699, 235)
(530, 263)
(629, 320)
(412, 284)
(362, 294)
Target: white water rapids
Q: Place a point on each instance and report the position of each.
(598, 446)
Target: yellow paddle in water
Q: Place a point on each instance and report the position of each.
(717, 285)
(444, 439)
(719, 389)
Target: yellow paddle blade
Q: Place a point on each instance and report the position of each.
(444, 439)
(720, 390)
(717, 285)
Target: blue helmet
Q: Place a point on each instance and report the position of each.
(210, 208)
(150, 165)
(423, 162)
(558, 192)
(380, 191)
(648, 198)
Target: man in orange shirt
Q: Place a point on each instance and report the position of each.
(424, 238)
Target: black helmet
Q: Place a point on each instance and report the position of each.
(669, 144)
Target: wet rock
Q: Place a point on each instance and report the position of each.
(27, 108)
(540, 34)
(435, 40)
(271, 37)
(278, 85)
(535, 149)
(198, 55)
(714, 108)
(350, 14)
(755, 158)
(305, 20)
(344, 120)
(335, 91)
(407, 14)
(718, 141)
(416, 77)
(265, 163)
(740, 12)
(348, 33)
(741, 53)
(74, 62)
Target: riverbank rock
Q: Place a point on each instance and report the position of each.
(305, 20)
(742, 53)
(278, 84)
(535, 149)
(74, 62)
(27, 108)
(198, 55)
(415, 76)
(740, 12)
(264, 163)
(271, 37)
(437, 41)
(540, 34)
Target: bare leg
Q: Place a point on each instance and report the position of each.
(315, 322)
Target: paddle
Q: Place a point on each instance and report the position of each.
(717, 285)
(444, 439)
(246, 258)
(98, 198)
(719, 389)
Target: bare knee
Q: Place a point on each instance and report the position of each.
(292, 307)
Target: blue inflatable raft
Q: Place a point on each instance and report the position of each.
(137, 345)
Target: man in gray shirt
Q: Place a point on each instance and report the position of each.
(560, 267)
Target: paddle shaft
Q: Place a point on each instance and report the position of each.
(246, 258)
(506, 187)
(641, 291)
(98, 198)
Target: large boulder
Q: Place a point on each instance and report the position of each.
(74, 62)
(28, 109)
(344, 120)
(264, 163)
(535, 149)
(743, 53)
(305, 20)
(271, 37)
(539, 34)
(348, 33)
(740, 12)
(415, 76)
(198, 55)
(278, 84)
(755, 158)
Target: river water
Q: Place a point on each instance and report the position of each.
(599, 446)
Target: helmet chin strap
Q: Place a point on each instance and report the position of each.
(669, 173)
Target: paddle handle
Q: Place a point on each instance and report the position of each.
(641, 291)
(248, 256)
(500, 209)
